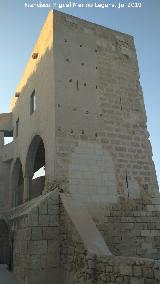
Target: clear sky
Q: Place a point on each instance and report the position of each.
(20, 26)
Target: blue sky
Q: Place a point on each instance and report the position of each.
(20, 26)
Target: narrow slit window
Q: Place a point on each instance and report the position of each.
(17, 127)
(77, 85)
(127, 181)
(32, 102)
(121, 103)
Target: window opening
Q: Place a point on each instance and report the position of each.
(32, 102)
(17, 127)
(77, 85)
(8, 137)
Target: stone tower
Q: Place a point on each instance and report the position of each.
(78, 113)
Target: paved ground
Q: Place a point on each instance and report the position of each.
(6, 277)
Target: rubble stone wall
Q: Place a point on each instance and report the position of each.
(127, 270)
(73, 254)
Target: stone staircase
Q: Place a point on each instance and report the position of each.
(26, 207)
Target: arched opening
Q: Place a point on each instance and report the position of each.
(4, 243)
(35, 167)
(17, 183)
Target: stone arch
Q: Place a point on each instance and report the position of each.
(35, 162)
(4, 242)
(17, 183)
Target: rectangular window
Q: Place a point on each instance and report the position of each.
(8, 137)
(32, 102)
(17, 127)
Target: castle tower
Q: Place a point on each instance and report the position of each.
(78, 117)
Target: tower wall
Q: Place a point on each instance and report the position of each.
(103, 150)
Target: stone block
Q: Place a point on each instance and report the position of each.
(37, 233)
(23, 245)
(108, 268)
(43, 261)
(41, 277)
(53, 220)
(125, 269)
(43, 207)
(27, 234)
(135, 280)
(35, 262)
(53, 247)
(33, 220)
(137, 271)
(148, 272)
(52, 260)
(150, 233)
(150, 281)
(52, 209)
(50, 233)
(37, 247)
(44, 220)
(49, 261)
(157, 274)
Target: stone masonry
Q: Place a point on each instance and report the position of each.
(78, 117)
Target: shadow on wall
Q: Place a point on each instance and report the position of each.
(17, 183)
(34, 162)
(4, 243)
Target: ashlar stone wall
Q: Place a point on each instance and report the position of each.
(80, 266)
(50, 248)
(131, 228)
(36, 245)
(99, 108)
